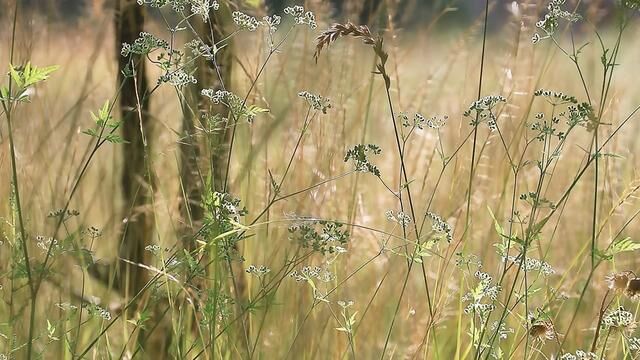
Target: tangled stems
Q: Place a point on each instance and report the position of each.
(8, 107)
(383, 57)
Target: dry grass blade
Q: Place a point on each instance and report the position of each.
(340, 30)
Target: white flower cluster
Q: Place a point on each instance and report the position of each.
(300, 17)
(317, 102)
(272, 22)
(532, 264)
(550, 22)
(399, 217)
(257, 270)
(579, 355)
(420, 121)
(485, 288)
(245, 22)
(96, 310)
(483, 110)
(202, 8)
(618, 319)
(309, 273)
(440, 226)
(178, 78)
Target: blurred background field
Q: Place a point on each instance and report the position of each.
(434, 61)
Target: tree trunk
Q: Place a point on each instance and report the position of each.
(136, 179)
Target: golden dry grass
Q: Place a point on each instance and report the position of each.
(431, 73)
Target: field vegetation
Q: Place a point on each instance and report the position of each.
(287, 186)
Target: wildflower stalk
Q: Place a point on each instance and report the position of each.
(528, 235)
(362, 32)
(363, 137)
(234, 117)
(604, 348)
(603, 308)
(591, 159)
(607, 77)
(445, 163)
(8, 108)
(303, 131)
(272, 50)
(475, 125)
(383, 56)
(475, 135)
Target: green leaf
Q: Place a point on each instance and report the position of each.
(602, 255)
(115, 139)
(30, 75)
(256, 110)
(84, 257)
(103, 118)
(537, 228)
(579, 50)
(496, 224)
(611, 155)
(39, 74)
(23, 96)
(91, 132)
(15, 76)
(4, 93)
(51, 331)
(352, 318)
(622, 245)
(110, 137)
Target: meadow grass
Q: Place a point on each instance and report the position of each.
(429, 220)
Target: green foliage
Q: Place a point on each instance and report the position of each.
(359, 154)
(507, 304)
(325, 237)
(238, 109)
(617, 247)
(105, 126)
(144, 45)
(24, 77)
(28, 75)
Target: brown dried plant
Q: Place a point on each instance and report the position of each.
(337, 31)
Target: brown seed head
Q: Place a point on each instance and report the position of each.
(542, 331)
(618, 282)
(633, 288)
(337, 31)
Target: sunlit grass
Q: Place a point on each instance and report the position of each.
(431, 73)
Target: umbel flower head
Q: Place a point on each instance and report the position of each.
(301, 17)
(579, 355)
(551, 21)
(244, 21)
(481, 111)
(317, 102)
(620, 320)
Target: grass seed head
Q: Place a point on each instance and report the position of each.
(337, 31)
